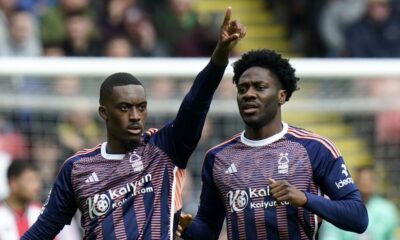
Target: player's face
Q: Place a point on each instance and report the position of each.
(259, 95)
(125, 113)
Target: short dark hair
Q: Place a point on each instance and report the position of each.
(271, 60)
(116, 79)
(18, 167)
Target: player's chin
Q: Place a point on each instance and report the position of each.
(253, 121)
(131, 139)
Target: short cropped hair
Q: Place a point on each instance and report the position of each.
(116, 79)
(18, 167)
(271, 60)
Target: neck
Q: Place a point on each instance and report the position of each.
(16, 204)
(263, 132)
(118, 147)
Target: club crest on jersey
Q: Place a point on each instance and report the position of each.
(283, 163)
(136, 162)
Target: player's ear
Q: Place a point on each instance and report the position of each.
(282, 96)
(103, 112)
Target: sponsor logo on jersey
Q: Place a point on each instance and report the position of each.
(344, 182)
(100, 204)
(240, 199)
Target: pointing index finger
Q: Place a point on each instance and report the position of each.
(227, 17)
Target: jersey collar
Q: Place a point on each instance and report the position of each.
(266, 141)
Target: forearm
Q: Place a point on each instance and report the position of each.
(220, 56)
(190, 119)
(348, 214)
(204, 87)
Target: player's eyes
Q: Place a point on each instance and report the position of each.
(261, 87)
(242, 89)
(142, 107)
(124, 108)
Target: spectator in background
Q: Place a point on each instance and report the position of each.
(6, 9)
(112, 18)
(302, 18)
(383, 214)
(77, 130)
(143, 34)
(53, 26)
(336, 17)
(53, 50)
(189, 37)
(126, 18)
(20, 209)
(23, 37)
(12, 141)
(377, 34)
(80, 40)
(45, 153)
(118, 46)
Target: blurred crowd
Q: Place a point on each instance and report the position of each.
(114, 28)
(124, 28)
(341, 28)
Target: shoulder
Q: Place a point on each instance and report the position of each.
(223, 145)
(312, 141)
(84, 153)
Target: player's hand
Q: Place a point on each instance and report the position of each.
(231, 31)
(184, 221)
(282, 190)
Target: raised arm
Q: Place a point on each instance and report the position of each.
(185, 130)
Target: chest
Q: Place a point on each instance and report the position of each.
(243, 167)
(113, 180)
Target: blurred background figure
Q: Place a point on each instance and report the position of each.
(23, 36)
(377, 33)
(20, 209)
(80, 40)
(118, 46)
(53, 21)
(13, 145)
(190, 38)
(382, 213)
(77, 129)
(336, 17)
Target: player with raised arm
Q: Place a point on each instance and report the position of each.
(130, 186)
(269, 181)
